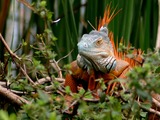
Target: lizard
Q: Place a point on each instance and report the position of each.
(98, 57)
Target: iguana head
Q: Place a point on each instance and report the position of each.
(96, 51)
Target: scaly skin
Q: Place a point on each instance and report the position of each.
(85, 74)
(99, 58)
(96, 52)
(80, 77)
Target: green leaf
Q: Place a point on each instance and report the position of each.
(43, 3)
(3, 115)
(67, 90)
(157, 70)
(143, 114)
(52, 116)
(49, 15)
(43, 96)
(146, 105)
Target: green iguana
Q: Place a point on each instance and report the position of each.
(99, 58)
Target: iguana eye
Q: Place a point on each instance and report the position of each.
(99, 42)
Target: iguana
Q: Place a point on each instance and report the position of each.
(99, 58)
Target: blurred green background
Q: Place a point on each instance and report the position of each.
(136, 23)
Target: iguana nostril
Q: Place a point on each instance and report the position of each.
(82, 46)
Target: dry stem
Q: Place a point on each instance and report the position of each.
(13, 97)
(15, 56)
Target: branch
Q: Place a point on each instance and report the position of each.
(13, 55)
(157, 103)
(48, 79)
(3, 83)
(55, 65)
(150, 110)
(13, 97)
(8, 49)
(27, 4)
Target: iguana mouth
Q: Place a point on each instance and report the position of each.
(104, 65)
(92, 62)
(93, 54)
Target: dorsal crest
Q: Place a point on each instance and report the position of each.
(103, 23)
(107, 17)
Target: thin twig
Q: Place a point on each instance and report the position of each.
(8, 49)
(55, 65)
(3, 83)
(13, 55)
(91, 25)
(47, 79)
(150, 110)
(42, 81)
(157, 103)
(70, 106)
(65, 56)
(27, 4)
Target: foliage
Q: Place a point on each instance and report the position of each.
(125, 104)
(38, 60)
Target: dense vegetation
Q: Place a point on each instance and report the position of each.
(35, 59)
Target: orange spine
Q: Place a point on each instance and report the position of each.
(107, 18)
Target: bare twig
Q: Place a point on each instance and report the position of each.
(60, 79)
(13, 55)
(3, 83)
(25, 73)
(94, 100)
(13, 97)
(70, 106)
(157, 103)
(55, 65)
(150, 110)
(27, 4)
(48, 79)
(42, 81)
(48, 88)
(65, 56)
(8, 49)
